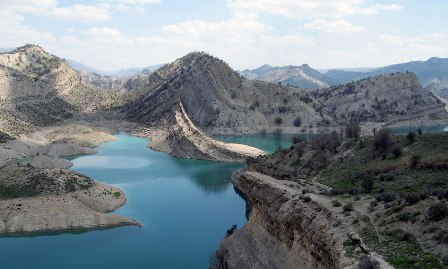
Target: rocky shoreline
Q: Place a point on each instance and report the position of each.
(39, 194)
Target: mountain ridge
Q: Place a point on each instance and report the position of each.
(433, 69)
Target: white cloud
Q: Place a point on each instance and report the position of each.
(103, 32)
(201, 27)
(133, 2)
(82, 13)
(307, 9)
(333, 26)
(50, 8)
(15, 33)
(392, 40)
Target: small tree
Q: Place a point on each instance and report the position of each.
(414, 160)
(367, 184)
(297, 122)
(352, 130)
(397, 152)
(382, 139)
(278, 121)
(411, 137)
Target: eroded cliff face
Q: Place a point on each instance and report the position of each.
(287, 231)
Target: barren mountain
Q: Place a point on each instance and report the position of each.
(38, 89)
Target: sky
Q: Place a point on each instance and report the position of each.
(115, 34)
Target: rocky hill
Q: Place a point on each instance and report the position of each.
(39, 89)
(217, 100)
(384, 98)
(302, 77)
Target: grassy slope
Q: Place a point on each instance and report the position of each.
(393, 218)
(395, 179)
(394, 174)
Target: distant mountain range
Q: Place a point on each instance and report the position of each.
(434, 70)
(303, 76)
(128, 72)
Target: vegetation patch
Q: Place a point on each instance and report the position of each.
(400, 249)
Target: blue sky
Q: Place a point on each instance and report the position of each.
(113, 34)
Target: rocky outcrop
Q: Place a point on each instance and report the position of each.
(287, 231)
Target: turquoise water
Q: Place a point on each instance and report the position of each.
(185, 207)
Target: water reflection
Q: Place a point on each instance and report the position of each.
(110, 162)
(212, 177)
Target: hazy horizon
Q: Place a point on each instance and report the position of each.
(119, 34)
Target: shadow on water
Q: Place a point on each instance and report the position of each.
(204, 173)
(76, 231)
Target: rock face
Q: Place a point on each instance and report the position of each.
(283, 231)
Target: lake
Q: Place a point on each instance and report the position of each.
(185, 207)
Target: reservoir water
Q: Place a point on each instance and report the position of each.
(185, 207)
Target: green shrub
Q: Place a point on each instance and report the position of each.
(336, 203)
(348, 207)
(437, 212)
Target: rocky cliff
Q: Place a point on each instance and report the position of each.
(332, 203)
(285, 230)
